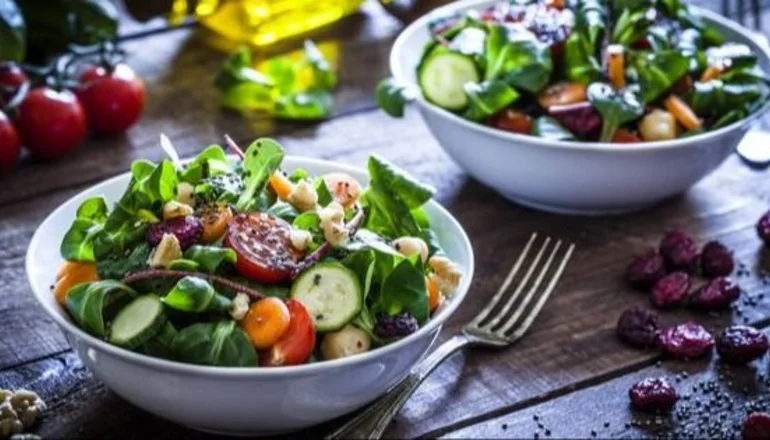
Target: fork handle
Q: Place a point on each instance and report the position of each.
(372, 422)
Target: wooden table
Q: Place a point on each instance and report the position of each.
(568, 377)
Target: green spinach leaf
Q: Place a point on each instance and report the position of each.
(78, 242)
(117, 267)
(391, 97)
(488, 98)
(210, 162)
(715, 97)
(616, 107)
(404, 290)
(221, 344)
(161, 345)
(580, 64)
(658, 71)
(261, 160)
(549, 128)
(312, 105)
(196, 295)
(210, 258)
(92, 304)
(517, 58)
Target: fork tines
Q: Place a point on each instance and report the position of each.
(525, 290)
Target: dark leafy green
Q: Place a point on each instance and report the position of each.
(488, 98)
(161, 345)
(118, 266)
(78, 242)
(718, 98)
(312, 105)
(404, 290)
(658, 71)
(731, 55)
(208, 163)
(517, 58)
(196, 295)
(591, 21)
(242, 86)
(390, 97)
(324, 195)
(220, 343)
(91, 305)
(283, 210)
(262, 159)
(210, 258)
(616, 107)
(580, 64)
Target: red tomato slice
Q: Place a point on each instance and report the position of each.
(297, 342)
(263, 246)
(623, 136)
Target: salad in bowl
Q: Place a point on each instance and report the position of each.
(235, 263)
(585, 70)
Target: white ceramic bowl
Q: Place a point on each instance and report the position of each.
(573, 177)
(242, 400)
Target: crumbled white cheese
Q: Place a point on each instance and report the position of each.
(173, 209)
(304, 197)
(167, 251)
(445, 274)
(300, 238)
(240, 306)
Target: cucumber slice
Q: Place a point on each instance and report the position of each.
(138, 322)
(443, 75)
(331, 293)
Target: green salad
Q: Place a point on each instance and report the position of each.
(619, 71)
(237, 263)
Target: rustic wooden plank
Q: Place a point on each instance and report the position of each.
(603, 410)
(570, 343)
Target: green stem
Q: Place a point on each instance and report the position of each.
(608, 130)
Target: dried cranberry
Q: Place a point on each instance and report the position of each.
(638, 327)
(715, 294)
(740, 344)
(653, 395)
(580, 118)
(670, 290)
(680, 252)
(688, 340)
(395, 326)
(186, 229)
(645, 270)
(716, 260)
(763, 228)
(756, 426)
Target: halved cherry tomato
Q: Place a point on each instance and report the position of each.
(71, 274)
(264, 249)
(215, 219)
(345, 188)
(113, 99)
(266, 321)
(513, 121)
(297, 342)
(623, 136)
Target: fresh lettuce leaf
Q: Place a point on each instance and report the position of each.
(261, 160)
(209, 258)
(210, 162)
(404, 290)
(117, 267)
(78, 242)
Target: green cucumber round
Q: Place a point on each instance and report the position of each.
(443, 75)
(331, 293)
(138, 322)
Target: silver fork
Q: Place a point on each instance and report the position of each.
(499, 324)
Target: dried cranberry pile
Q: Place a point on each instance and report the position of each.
(667, 274)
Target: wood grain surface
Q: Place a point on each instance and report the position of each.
(569, 361)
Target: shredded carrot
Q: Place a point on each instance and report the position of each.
(616, 66)
(281, 185)
(711, 72)
(682, 112)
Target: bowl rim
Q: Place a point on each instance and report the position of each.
(397, 71)
(236, 372)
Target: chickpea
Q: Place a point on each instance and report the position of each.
(658, 125)
(409, 246)
(346, 342)
(345, 188)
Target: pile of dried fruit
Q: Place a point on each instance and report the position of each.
(667, 274)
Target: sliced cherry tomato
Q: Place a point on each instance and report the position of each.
(266, 321)
(263, 246)
(10, 146)
(513, 121)
(51, 123)
(297, 342)
(113, 99)
(623, 136)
